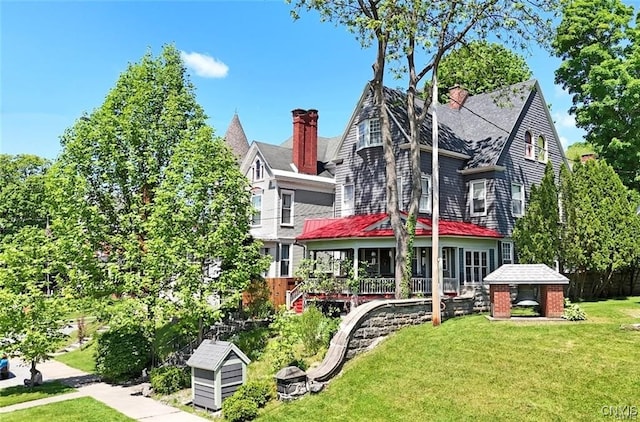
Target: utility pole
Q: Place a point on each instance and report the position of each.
(435, 209)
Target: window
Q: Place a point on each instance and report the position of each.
(507, 253)
(517, 200)
(258, 170)
(369, 133)
(528, 145)
(400, 199)
(541, 149)
(347, 200)
(286, 208)
(285, 260)
(476, 266)
(256, 218)
(478, 195)
(425, 198)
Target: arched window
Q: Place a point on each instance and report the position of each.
(529, 150)
(541, 149)
(257, 170)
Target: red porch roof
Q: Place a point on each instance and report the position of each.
(372, 225)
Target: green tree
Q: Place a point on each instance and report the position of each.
(122, 168)
(22, 193)
(200, 228)
(601, 228)
(480, 67)
(411, 38)
(536, 234)
(599, 43)
(30, 318)
(576, 150)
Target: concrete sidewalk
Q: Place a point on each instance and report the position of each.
(123, 399)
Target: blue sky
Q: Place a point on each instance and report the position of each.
(60, 59)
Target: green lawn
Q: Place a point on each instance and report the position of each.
(20, 394)
(473, 369)
(82, 359)
(83, 409)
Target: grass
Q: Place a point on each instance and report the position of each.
(473, 369)
(20, 394)
(82, 358)
(83, 409)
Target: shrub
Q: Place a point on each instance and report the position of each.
(252, 342)
(315, 330)
(573, 312)
(237, 409)
(259, 392)
(122, 353)
(169, 379)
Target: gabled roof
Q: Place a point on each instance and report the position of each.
(211, 354)
(377, 225)
(479, 129)
(327, 147)
(236, 138)
(525, 273)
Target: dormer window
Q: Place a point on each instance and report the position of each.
(258, 170)
(369, 133)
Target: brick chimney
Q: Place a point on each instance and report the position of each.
(587, 157)
(457, 97)
(305, 140)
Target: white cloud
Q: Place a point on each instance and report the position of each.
(565, 120)
(564, 141)
(205, 66)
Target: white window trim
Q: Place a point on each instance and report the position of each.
(258, 165)
(509, 260)
(346, 211)
(522, 202)
(471, 183)
(428, 194)
(363, 140)
(256, 211)
(400, 189)
(283, 260)
(529, 147)
(544, 148)
(282, 193)
(472, 251)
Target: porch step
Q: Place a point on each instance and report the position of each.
(298, 305)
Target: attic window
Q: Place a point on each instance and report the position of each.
(258, 171)
(529, 150)
(541, 149)
(369, 133)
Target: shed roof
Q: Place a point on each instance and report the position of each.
(211, 354)
(525, 274)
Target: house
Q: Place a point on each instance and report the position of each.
(492, 148)
(289, 184)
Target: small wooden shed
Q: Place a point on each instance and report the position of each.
(218, 369)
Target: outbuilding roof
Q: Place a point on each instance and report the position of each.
(210, 355)
(525, 274)
(377, 225)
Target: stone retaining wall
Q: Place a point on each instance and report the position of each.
(394, 315)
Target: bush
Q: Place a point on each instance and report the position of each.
(252, 342)
(237, 409)
(315, 330)
(259, 392)
(122, 353)
(169, 379)
(573, 312)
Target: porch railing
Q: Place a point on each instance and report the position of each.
(378, 285)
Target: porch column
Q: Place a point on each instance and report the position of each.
(356, 263)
